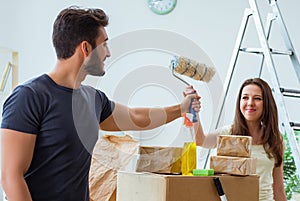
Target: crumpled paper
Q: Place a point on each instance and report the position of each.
(233, 165)
(111, 154)
(234, 145)
(159, 159)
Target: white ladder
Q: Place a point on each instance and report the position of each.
(266, 52)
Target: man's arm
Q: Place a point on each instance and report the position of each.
(17, 152)
(125, 118)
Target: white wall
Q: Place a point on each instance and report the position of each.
(26, 26)
(211, 26)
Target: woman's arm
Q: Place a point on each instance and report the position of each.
(205, 140)
(208, 140)
(278, 187)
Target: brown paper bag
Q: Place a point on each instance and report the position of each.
(111, 154)
(234, 145)
(159, 159)
(233, 165)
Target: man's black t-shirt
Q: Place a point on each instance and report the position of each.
(66, 122)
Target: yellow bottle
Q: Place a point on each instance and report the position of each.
(188, 159)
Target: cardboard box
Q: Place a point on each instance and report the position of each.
(159, 159)
(234, 145)
(233, 165)
(160, 187)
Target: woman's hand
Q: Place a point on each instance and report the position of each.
(189, 90)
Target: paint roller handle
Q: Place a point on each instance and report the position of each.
(190, 90)
(192, 111)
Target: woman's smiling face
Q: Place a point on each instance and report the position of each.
(251, 103)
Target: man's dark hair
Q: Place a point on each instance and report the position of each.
(74, 25)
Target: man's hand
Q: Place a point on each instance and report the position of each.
(191, 96)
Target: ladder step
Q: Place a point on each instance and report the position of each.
(290, 92)
(296, 126)
(260, 51)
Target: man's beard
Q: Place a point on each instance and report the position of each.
(94, 69)
(93, 65)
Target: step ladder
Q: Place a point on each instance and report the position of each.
(267, 52)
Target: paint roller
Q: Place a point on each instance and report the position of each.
(183, 66)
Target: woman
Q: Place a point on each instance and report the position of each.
(255, 116)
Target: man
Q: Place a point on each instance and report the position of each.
(50, 124)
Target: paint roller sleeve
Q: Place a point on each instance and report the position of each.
(192, 69)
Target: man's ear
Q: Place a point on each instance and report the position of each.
(86, 48)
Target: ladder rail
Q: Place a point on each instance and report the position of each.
(247, 13)
(286, 37)
(264, 43)
(270, 19)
